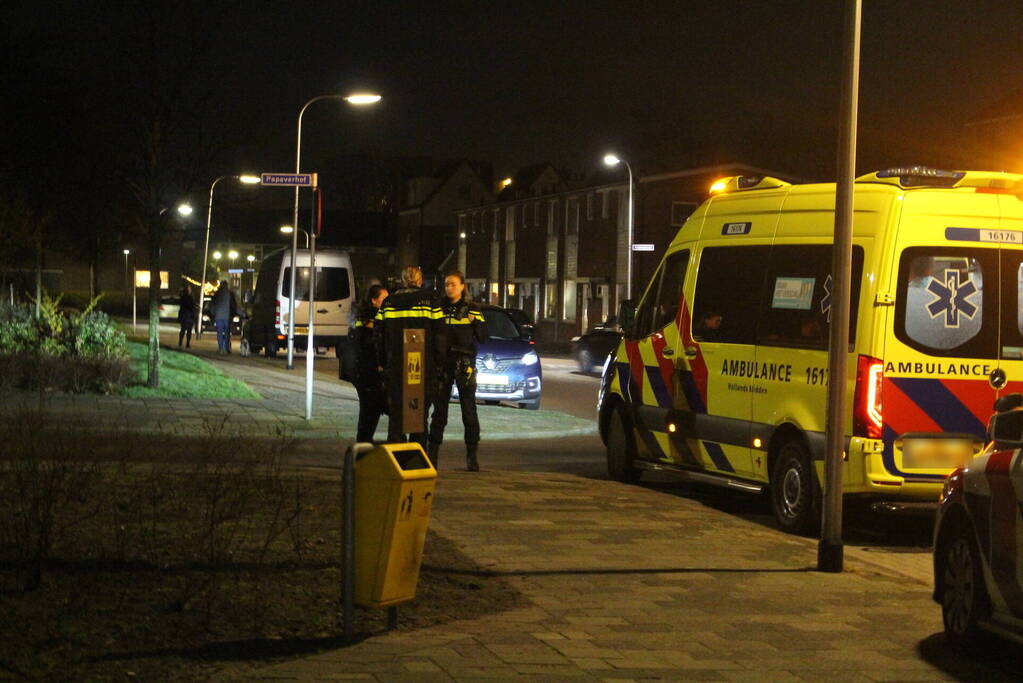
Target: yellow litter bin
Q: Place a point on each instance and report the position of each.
(394, 486)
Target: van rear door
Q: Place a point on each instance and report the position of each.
(1010, 240)
(945, 328)
(332, 299)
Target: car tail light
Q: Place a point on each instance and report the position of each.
(277, 313)
(867, 420)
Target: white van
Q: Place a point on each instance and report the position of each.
(267, 327)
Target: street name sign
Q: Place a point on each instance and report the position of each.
(642, 247)
(288, 179)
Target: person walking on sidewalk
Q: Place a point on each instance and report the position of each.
(186, 316)
(224, 308)
(463, 329)
(369, 376)
(409, 308)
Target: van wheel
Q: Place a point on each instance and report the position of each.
(964, 601)
(795, 494)
(621, 449)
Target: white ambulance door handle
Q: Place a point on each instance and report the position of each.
(667, 353)
(690, 352)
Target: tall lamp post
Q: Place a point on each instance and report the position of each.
(287, 230)
(613, 160)
(358, 100)
(246, 179)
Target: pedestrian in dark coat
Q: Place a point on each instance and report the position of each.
(186, 316)
(410, 308)
(463, 329)
(369, 375)
(223, 308)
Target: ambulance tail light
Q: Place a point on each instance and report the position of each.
(867, 421)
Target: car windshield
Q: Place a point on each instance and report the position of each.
(500, 325)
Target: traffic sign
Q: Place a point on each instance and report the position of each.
(288, 179)
(642, 247)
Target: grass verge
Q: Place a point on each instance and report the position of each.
(183, 375)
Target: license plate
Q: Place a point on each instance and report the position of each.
(301, 330)
(936, 453)
(487, 378)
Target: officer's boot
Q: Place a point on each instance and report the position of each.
(433, 450)
(471, 464)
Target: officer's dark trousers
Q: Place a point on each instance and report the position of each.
(372, 404)
(466, 382)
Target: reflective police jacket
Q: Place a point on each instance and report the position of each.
(407, 309)
(462, 334)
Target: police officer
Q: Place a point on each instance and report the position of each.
(368, 380)
(463, 329)
(411, 307)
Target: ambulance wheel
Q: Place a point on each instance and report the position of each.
(621, 449)
(795, 495)
(964, 601)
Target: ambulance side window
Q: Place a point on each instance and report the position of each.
(669, 294)
(728, 293)
(660, 305)
(796, 304)
(943, 307)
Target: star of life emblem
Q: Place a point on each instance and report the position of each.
(952, 298)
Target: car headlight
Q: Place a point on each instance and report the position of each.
(236, 318)
(530, 358)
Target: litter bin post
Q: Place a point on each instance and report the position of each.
(394, 487)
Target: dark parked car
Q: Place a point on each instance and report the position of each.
(507, 366)
(523, 321)
(591, 349)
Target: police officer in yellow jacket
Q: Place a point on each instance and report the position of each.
(410, 307)
(462, 328)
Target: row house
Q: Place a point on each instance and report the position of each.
(561, 255)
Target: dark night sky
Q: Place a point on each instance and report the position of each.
(520, 83)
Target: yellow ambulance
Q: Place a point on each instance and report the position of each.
(722, 375)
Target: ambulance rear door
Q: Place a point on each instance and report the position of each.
(945, 329)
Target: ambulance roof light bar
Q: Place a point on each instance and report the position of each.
(741, 183)
(916, 176)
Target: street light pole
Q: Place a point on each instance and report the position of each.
(360, 99)
(614, 160)
(830, 550)
(248, 180)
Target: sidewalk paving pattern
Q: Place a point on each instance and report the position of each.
(622, 582)
(628, 583)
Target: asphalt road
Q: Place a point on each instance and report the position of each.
(897, 541)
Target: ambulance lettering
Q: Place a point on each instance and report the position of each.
(775, 372)
(941, 369)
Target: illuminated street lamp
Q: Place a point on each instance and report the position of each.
(614, 160)
(250, 258)
(232, 255)
(287, 230)
(245, 179)
(185, 209)
(356, 99)
(217, 256)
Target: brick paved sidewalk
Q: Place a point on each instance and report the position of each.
(629, 583)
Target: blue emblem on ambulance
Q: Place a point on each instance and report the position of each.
(952, 298)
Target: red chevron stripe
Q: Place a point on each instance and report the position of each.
(976, 394)
(697, 365)
(902, 414)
